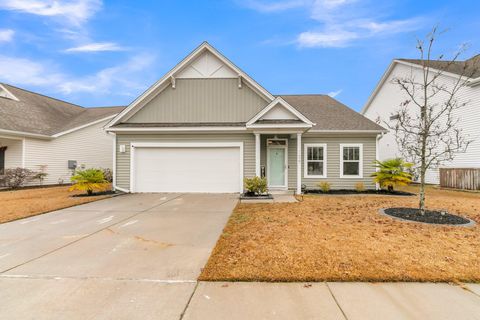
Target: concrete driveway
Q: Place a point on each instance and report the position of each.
(133, 256)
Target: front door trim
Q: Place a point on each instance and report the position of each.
(285, 185)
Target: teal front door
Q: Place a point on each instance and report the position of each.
(276, 167)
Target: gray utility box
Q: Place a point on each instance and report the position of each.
(72, 164)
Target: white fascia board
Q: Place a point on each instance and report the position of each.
(279, 126)
(348, 131)
(82, 126)
(380, 83)
(184, 129)
(25, 134)
(187, 144)
(10, 95)
(194, 54)
(419, 66)
(409, 64)
(286, 105)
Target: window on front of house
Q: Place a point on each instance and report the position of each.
(315, 160)
(351, 161)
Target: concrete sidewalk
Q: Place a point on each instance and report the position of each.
(217, 300)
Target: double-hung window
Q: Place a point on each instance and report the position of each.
(351, 161)
(315, 160)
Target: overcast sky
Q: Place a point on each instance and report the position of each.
(103, 53)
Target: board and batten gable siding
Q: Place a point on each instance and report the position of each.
(201, 100)
(390, 96)
(123, 159)
(91, 147)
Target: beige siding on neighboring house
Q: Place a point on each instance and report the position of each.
(91, 147)
(123, 159)
(201, 100)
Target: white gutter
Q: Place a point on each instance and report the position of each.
(166, 129)
(474, 82)
(25, 134)
(377, 156)
(56, 135)
(347, 131)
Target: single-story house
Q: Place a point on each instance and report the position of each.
(206, 125)
(47, 135)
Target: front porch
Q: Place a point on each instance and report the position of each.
(278, 159)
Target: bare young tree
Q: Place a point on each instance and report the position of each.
(426, 123)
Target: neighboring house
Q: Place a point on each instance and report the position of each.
(43, 134)
(387, 97)
(206, 125)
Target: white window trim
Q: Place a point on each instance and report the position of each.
(360, 160)
(305, 160)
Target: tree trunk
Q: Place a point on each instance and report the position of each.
(421, 204)
(89, 192)
(423, 160)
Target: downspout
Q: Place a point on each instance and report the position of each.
(377, 156)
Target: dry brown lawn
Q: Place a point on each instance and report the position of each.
(29, 202)
(343, 238)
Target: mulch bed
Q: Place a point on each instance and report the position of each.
(247, 196)
(348, 191)
(95, 194)
(430, 216)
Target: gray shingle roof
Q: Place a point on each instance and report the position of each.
(469, 67)
(39, 114)
(329, 114)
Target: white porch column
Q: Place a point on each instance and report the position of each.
(299, 163)
(257, 154)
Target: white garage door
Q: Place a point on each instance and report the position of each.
(187, 169)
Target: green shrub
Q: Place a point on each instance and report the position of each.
(359, 187)
(392, 172)
(255, 185)
(89, 180)
(324, 186)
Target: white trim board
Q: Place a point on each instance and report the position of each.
(83, 126)
(205, 46)
(135, 145)
(286, 105)
(389, 70)
(166, 129)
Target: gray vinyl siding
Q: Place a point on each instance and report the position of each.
(201, 100)
(123, 159)
(333, 159)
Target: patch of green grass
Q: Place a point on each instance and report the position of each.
(240, 217)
